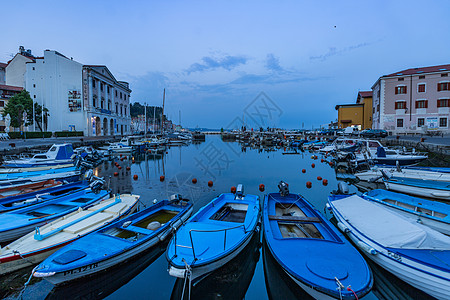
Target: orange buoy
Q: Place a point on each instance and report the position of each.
(210, 183)
(121, 159)
(194, 180)
(120, 155)
(319, 178)
(303, 170)
(135, 177)
(313, 165)
(116, 173)
(128, 168)
(119, 167)
(308, 184)
(262, 187)
(331, 163)
(161, 178)
(325, 182)
(322, 160)
(233, 189)
(125, 157)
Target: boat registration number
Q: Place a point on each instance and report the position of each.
(395, 256)
(81, 269)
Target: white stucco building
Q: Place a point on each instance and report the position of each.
(79, 97)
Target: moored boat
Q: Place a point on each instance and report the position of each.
(116, 243)
(422, 188)
(36, 246)
(35, 197)
(58, 154)
(310, 250)
(27, 187)
(19, 222)
(411, 251)
(376, 174)
(214, 235)
(433, 214)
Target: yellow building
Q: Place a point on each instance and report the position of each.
(358, 114)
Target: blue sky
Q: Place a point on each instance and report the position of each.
(215, 57)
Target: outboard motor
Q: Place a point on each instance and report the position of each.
(342, 188)
(176, 198)
(239, 191)
(97, 185)
(89, 175)
(284, 188)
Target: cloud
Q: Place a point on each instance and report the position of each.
(273, 63)
(332, 51)
(210, 63)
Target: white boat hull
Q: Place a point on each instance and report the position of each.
(418, 191)
(430, 280)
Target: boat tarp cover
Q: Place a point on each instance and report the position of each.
(387, 228)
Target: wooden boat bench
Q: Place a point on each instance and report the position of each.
(295, 218)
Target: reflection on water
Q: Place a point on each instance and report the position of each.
(231, 281)
(105, 283)
(226, 164)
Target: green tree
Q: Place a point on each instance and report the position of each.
(18, 105)
(22, 103)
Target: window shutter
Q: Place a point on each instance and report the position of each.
(439, 103)
(439, 87)
(417, 104)
(396, 90)
(406, 89)
(426, 103)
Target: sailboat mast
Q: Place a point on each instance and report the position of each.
(162, 117)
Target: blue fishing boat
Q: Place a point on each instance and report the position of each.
(311, 250)
(433, 214)
(411, 251)
(419, 187)
(36, 197)
(116, 243)
(12, 176)
(19, 222)
(58, 154)
(214, 235)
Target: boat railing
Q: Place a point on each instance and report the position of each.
(198, 230)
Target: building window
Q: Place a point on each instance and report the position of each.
(400, 123)
(400, 105)
(102, 103)
(121, 110)
(34, 85)
(443, 103)
(422, 104)
(378, 107)
(443, 86)
(116, 93)
(125, 110)
(422, 77)
(93, 102)
(34, 96)
(378, 94)
(442, 122)
(420, 122)
(117, 109)
(2, 103)
(401, 79)
(444, 75)
(400, 89)
(34, 69)
(93, 83)
(107, 89)
(421, 88)
(101, 86)
(120, 95)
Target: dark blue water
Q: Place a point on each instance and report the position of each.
(253, 274)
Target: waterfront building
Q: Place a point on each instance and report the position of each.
(415, 100)
(78, 97)
(357, 114)
(16, 67)
(6, 92)
(3, 73)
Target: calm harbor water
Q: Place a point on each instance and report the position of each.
(253, 274)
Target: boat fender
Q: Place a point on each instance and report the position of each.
(126, 224)
(343, 228)
(154, 225)
(366, 248)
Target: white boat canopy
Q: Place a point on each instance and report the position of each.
(388, 228)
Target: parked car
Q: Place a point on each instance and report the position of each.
(374, 133)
